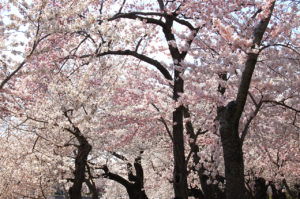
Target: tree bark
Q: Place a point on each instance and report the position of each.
(260, 191)
(277, 194)
(80, 163)
(135, 183)
(233, 153)
(229, 118)
(92, 188)
(180, 173)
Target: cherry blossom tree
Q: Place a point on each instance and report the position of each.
(74, 113)
(244, 40)
(103, 76)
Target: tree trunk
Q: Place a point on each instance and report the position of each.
(260, 191)
(180, 173)
(277, 194)
(233, 153)
(234, 167)
(80, 164)
(229, 118)
(135, 183)
(92, 188)
(135, 192)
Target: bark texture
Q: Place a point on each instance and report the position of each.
(233, 153)
(260, 189)
(135, 183)
(80, 163)
(229, 118)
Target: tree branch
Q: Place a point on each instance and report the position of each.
(135, 15)
(144, 58)
(245, 130)
(161, 5)
(115, 177)
(250, 66)
(164, 122)
(281, 104)
(21, 65)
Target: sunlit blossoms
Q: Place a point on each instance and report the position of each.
(149, 99)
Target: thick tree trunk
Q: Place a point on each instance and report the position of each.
(229, 118)
(180, 173)
(80, 164)
(233, 153)
(260, 191)
(135, 183)
(211, 191)
(234, 168)
(135, 192)
(277, 194)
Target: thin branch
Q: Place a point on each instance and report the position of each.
(164, 122)
(21, 65)
(121, 157)
(281, 104)
(187, 24)
(245, 130)
(253, 100)
(35, 44)
(115, 177)
(139, 43)
(200, 132)
(281, 45)
(122, 6)
(35, 142)
(42, 190)
(193, 145)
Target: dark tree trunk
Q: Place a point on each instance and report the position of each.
(229, 118)
(80, 163)
(180, 173)
(136, 189)
(233, 153)
(135, 192)
(92, 188)
(211, 191)
(135, 183)
(277, 194)
(260, 189)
